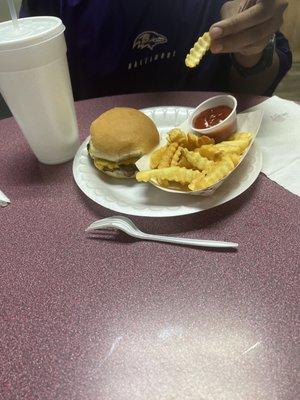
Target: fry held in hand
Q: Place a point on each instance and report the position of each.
(198, 51)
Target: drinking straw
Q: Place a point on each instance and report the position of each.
(13, 13)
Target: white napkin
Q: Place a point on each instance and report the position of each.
(4, 201)
(279, 139)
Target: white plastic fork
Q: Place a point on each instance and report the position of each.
(4, 201)
(126, 225)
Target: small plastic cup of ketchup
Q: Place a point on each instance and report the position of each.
(215, 117)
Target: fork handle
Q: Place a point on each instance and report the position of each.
(188, 242)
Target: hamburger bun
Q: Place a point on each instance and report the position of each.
(119, 137)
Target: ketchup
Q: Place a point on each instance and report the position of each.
(211, 117)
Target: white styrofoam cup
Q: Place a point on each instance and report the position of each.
(35, 83)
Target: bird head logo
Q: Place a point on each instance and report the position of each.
(148, 39)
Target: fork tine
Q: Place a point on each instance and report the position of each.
(112, 219)
(97, 224)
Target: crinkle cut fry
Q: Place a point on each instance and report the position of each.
(156, 157)
(176, 157)
(177, 174)
(176, 135)
(197, 161)
(204, 140)
(235, 158)
(167, 156)
(241, 136)
(213, 175)
(210, 151)
(198, 51)
(234, 146)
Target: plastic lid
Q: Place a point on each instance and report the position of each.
(32, 30)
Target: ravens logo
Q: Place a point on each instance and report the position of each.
(148, 39)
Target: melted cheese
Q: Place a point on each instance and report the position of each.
(101, 164)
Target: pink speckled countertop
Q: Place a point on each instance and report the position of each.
(118, 319)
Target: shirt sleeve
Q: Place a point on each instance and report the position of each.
(33, 8)
(285, 61)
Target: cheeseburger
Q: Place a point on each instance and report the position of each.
(119, 137)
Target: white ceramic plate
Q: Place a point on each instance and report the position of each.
(142, 199)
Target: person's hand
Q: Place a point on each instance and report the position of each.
(246, 33)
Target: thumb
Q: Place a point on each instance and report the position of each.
(241, 21)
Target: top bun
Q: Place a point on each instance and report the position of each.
(122, 133)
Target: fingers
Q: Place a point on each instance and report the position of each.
(239, 22)
(246, 4)
(255, 48)
(251, 37)
(234, 21)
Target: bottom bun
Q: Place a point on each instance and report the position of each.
(119, 173)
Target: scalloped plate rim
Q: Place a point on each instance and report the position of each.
(254, 159)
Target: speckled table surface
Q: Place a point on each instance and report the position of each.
(84, 318)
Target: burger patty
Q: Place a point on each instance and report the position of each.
(126, 168)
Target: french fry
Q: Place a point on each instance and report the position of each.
(197, 161)
(204, 140)
(241, 136)
(156, 157)
(178, 186)
(177, 174)
(162, 182)
(168, 155)
(176, 157)
(192, 162)
(192, 141)
(235, 158)
(183, 162)
(198, 51)
(233, 146)
(211, 152)
(213, 175)
(178, 136)
(195, 141)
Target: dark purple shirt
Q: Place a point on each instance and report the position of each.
(126, 46)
